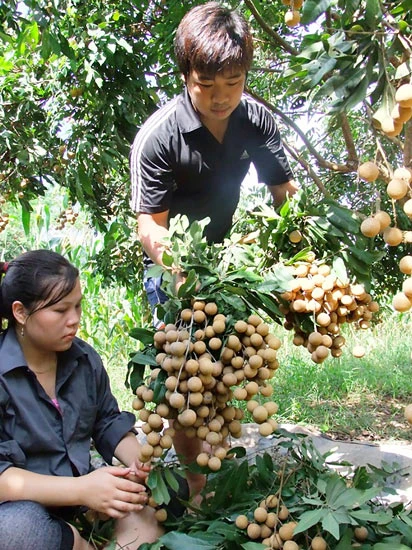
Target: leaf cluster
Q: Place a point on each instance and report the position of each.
(318, 497)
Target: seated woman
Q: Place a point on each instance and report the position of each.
(54, 398)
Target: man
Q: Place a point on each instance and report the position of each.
(191, 156)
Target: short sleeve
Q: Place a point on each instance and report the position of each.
(268, 154)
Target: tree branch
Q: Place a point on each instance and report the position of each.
(268, 29)
(289, 122)
(348, 137)
(407, 144)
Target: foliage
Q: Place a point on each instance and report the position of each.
(322, 501)
(77, 80)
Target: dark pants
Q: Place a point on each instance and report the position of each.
(155, 296)
(27, 525)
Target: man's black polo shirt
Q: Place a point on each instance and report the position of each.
(176, 163)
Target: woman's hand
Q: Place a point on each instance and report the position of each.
(109, 490)
(139, 471)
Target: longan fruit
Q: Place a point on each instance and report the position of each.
(290, 545)
(215, 343)
(166, 441)
(361, 533)
(272, 520)
(286, 531)
(202, 459)
(220, 452)
(153, 438)
(214, 463)
(271, 501)
(177, 400)
(187, 417)
(241, 521)
(253, 531)
(240, 394)
(266, 390)
(252, 388)
(194, 384)
(161, 515)
(408, 413)
(219, 326)
(260, 414)
(138, 403)
(319, 543)
(260, 514)
(210, 309)
(265, 429)
(254, 320)
(155, 421)
(198, 305)
(271, 407)
(146, 450)
(283, 513)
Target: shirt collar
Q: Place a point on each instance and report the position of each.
(187, 118)
(12, 357)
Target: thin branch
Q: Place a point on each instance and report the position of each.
(268, 29)
(316, 179)
(348, 137)
(407, 145)
(289, 122)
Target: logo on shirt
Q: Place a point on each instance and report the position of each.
(244, 155)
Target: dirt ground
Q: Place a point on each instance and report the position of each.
(384, 421)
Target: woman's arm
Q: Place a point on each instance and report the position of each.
(105, 490)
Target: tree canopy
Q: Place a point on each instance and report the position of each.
(78, 79)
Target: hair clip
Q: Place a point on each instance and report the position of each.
(5, 267)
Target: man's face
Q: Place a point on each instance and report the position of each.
(216, 97)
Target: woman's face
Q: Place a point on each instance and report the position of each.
(54, 327)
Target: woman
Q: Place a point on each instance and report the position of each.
(54, 398)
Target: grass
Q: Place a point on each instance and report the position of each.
(351, 397)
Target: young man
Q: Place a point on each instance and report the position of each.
(191, 156)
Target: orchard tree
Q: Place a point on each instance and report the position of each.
(78, 79)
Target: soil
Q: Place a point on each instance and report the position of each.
(387, 423)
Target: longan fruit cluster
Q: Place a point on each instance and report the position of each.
(392, 124)
(67, 216)
(398, 188)
(211, 363)
(327, 302)
(292, 16)
(4, 221)
(269, 523)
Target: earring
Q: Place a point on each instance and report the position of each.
(22, 331)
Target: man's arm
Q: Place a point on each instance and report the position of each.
(152, 228)
(279, 192)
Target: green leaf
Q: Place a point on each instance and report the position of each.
(312, 9)
(309, 519)
(180, 541)
(157, 485)
(144, 335)
(141, 358)
(171, 479)
(330, 525)
(252, 546)
(372, 13)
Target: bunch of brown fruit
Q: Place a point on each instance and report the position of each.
(325, 302)
(292, 16)
(210, 364)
